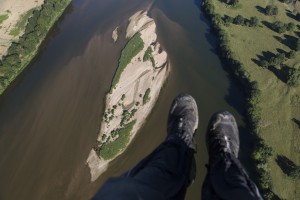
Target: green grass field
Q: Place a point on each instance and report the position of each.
(279, 125)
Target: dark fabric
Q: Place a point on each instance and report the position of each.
(226, 179)
(127, 188)
(164, 174)
(167, 172)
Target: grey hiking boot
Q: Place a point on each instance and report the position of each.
(222, 135)
(183, 119)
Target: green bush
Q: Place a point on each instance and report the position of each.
(3, 18)
(293, 77)
(254, 22)
(208, 7)
(291, 54)
(123, 97)
(239, 20)
(234, 2)
(279, 27)
(148, 54)
(228, 20)
(146, 96)
(260, 155)
(271, 10)
(110, 149)
(291, 26)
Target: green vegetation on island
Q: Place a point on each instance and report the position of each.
(259, 42)
(3, 18)
(110, 149)
(132, 48)
(148, 56)
(21, 52)
(21, 23)
(146, 96)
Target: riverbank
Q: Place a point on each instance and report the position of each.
(142, 71)
(15, 14)
(18, 53)
(259, 48)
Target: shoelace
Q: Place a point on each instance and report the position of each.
(220, 143)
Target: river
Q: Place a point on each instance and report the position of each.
(50, 116)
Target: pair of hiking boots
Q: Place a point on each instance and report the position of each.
(222, 132)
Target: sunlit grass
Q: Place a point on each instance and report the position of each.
(276, 127)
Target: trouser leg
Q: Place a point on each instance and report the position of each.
(168, 169)
(227, 179)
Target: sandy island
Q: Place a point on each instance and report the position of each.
(136, 92)
(14, 9)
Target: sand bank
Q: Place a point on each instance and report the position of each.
(136, 91)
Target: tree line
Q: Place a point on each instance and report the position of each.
(253, 94)
(20, 53)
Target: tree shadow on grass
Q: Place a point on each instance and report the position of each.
(281, 74)
(287, 166)
(287, 40)
(296, 122)
(256, 61)
(268, 25)
(281, 51)
(265, 55)
(291, 15)
(260, 9)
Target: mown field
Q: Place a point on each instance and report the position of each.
(279, 99)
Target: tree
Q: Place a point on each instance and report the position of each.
(208, 7)
(271, 10)
(277, 59)
(228, 20)
(290, 26)
(279, 27)
(293, 77)
(234, 2)
(297, 45)
(291, 54)
(264, 64)
(239, 20)
(254, 22)
(280, 57)
(217, 20)
(268, 10)
(275, 10)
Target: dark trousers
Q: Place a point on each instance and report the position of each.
(167, 172)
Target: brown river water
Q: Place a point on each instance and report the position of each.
(50, 116)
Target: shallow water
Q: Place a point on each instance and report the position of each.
(50, 117)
